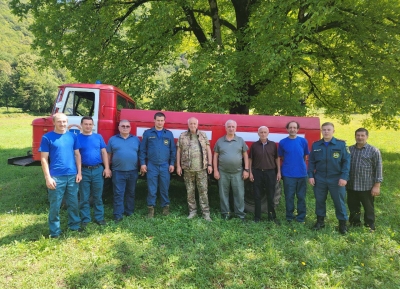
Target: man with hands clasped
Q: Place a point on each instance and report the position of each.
(265, 170)
(230, 152)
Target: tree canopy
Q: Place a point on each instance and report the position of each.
(279, 57)
(22, 83)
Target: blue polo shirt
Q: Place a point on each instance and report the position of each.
(124, 152)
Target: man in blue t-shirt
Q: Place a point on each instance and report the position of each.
(61, 165)
(123, 150)
(94, 157)
(293, 151)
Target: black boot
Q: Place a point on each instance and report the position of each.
(342, 227)
(319, 224)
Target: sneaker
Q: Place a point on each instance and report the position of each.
(84, 225)
(101, 223)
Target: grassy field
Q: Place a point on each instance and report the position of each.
(173, 252)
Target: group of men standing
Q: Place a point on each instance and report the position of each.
(73, 163)
(79, 163)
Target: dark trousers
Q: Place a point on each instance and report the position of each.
(338, 194)
(354, 201)
(267, 179)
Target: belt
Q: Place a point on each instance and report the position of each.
(263, 170)
(91, 167)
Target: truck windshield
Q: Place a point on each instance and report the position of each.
(79, 103)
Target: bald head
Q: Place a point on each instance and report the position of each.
(193, 124)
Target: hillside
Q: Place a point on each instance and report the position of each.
(15, 37)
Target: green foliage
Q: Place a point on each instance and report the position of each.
(273, 57)
(23, 82)
(173, 252)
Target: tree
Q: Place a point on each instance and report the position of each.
(34, 88)
(273, 57)
(5, 85)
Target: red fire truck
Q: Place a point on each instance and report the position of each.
(107, 104)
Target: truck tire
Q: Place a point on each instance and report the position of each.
(249, 197)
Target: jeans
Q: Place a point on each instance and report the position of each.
(263, 178)
(338, 194)
(235, 181)
(124, 187)
(295, 187)
(64, 185)
(91, 185)
(354, 201)
(158, 175)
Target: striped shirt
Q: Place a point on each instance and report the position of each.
(365, 168)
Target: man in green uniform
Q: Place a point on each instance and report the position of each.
(194, 157)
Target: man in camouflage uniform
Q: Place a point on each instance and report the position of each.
(194, 157)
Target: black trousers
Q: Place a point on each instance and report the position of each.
(267, 179)
(357, 198)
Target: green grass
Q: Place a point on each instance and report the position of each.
(173, 252)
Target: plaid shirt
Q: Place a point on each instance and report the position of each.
(365, 168)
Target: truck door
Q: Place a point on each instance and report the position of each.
(79, 102)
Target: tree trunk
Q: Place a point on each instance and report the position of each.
(242, 12)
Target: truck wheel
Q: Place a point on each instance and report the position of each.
(249, 197)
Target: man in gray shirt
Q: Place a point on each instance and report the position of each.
(365, 180)
(229, 152)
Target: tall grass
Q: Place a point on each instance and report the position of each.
(173, 252)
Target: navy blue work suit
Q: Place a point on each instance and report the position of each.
(327, 164)
(160, 153)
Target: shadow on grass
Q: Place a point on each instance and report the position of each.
(30, 233)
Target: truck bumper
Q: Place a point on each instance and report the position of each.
(23, 161)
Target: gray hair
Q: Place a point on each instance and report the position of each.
(261, 127)
(230, 120)
(124, 120)
(193, 118)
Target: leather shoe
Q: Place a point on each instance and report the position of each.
(101, 223)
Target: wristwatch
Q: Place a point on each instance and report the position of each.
(209, 165)
(246, 170)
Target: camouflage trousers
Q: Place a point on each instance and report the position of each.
(191, 179)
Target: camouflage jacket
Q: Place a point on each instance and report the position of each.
(184, 145)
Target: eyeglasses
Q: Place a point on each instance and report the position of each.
(125, 126)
